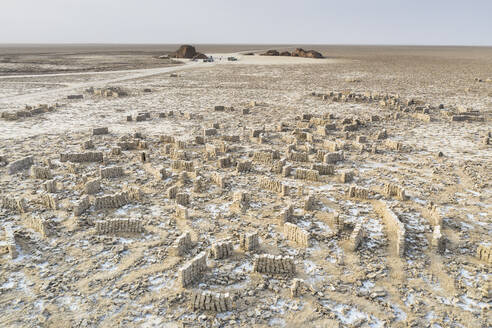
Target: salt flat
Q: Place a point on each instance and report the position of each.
(367, 170)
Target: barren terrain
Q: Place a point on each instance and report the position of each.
(369, 170)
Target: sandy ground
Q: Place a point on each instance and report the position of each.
(75, 277)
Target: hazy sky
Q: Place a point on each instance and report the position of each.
(466, 22)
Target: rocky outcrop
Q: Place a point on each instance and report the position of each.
(271, 52)
(199, 55)
(186, 51)
(299, 52)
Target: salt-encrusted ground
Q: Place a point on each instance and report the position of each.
(75, 277)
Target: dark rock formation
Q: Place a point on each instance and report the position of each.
(199, 55)
(186, 51)
(272, 52)
(313, 54)
(299, 52)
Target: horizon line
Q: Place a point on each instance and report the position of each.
(241, 43)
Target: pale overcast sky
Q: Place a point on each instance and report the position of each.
(440, 22)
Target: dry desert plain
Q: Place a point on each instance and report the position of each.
(349, 191)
